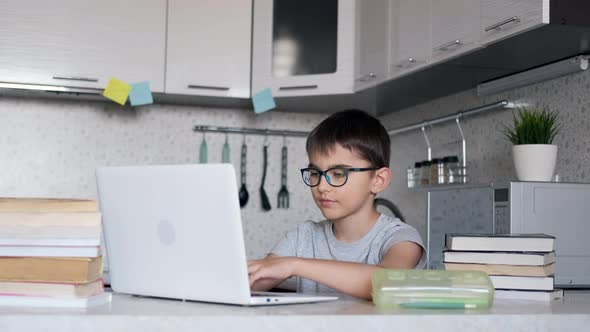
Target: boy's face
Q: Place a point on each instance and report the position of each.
(340, 202)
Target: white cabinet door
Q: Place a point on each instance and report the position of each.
(308, 50)
(455, 27)
(209, 46)
(82, 43)
(504, 18)
(410, 46)
(372, 42)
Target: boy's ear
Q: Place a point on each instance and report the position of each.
(381, 180)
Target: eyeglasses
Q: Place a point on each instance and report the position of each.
(336, 176)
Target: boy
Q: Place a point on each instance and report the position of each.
(348, 165)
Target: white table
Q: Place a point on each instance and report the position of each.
(129, 313)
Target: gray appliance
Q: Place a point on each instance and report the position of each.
(558, 209)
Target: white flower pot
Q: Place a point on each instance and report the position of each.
(534, 162)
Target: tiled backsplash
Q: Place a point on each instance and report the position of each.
(488, 152)
(50, 148)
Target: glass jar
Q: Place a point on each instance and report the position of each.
(441, 171)
(452, 168)
(434, 171)
(410, 173)
(425, 173)
(416, 175)
(463, 174)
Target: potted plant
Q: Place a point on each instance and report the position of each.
(534, 153)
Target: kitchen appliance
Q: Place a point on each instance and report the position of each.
(558, 209)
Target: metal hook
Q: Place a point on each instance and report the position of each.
(427, 142)
(266, 139)
(284, 140)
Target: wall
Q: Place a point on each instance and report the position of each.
(50, 148)
(488, 152)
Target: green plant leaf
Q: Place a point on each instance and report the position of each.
(531, 126)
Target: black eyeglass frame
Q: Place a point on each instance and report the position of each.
(346, 169)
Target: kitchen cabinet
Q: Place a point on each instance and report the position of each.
(82, 43)
(455, 26)
(410, 33)
(372, 40)
(307, 47)
(504, 18)
(209, 47)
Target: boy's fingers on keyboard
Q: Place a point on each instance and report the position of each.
(253, 268)
(254, 277)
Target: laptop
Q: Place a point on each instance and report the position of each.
(175, 231)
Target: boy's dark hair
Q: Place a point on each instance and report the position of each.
(354, 130)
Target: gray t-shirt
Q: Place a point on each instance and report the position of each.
(316, 240)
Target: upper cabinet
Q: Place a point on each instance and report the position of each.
(410, 36)
(455, 26)
(209, 47)
(237, 48)
(372, 40)
(303, 47)
(307, 47)
(82, 43)
(503, 18)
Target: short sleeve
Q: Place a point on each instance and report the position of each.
(287, 246)
(400, 234)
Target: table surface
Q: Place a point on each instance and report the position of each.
(152, 314)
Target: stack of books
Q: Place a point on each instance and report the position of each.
(50, 253)
(521, 266)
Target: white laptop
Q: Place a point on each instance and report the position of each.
(175, 231)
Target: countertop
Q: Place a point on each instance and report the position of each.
(131, 313)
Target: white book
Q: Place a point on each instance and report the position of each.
(52, 289)
(504, 258)
(522, 283)
(500, 242)
(529, 295)
(49, 251)
(505, 270)
(46, 302)
(50, 229)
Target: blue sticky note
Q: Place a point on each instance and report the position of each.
(140, 94)
(263, 101)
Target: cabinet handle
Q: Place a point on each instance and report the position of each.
(299, 87)
(74, 78)
(368, 77)
(456, 42)
(407, 63)
(498, 25)
(207, 87)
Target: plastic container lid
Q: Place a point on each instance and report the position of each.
(432, 289)
(451, 159)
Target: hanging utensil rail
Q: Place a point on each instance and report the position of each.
(504, 104)
(501, 105)
(252, 131)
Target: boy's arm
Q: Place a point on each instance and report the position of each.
(350, 278)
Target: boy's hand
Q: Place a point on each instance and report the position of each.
(271, 268)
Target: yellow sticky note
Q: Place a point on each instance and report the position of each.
(117, 91)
